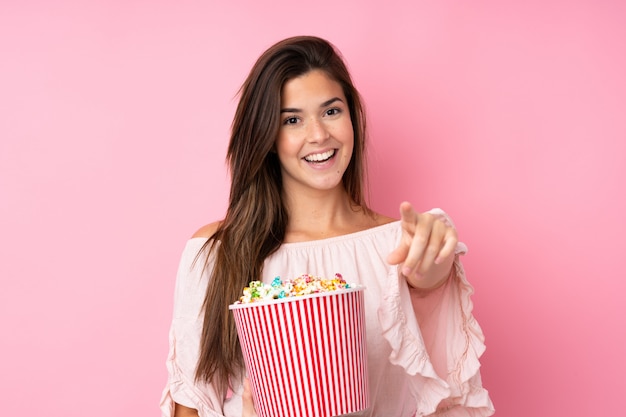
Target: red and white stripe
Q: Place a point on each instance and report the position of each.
(306, 356)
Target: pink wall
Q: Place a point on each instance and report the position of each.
(114, 119)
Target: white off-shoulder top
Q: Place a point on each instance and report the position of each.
(423, 347)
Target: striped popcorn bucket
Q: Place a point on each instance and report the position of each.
(306, 355)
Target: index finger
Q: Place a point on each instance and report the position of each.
(408, 215)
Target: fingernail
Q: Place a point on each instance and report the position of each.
(406, 271)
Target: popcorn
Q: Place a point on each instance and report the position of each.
(303, 285)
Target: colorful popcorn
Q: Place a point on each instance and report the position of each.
(303, 285)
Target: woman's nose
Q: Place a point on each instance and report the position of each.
(317, 131)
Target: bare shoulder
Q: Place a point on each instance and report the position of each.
(380, 219)
(207, 230)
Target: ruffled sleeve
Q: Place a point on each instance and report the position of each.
(435, 338)
(184, 344)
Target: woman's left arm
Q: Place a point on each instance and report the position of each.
(425, 253)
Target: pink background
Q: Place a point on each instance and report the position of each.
(114, 118)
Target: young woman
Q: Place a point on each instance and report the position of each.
(296, 157)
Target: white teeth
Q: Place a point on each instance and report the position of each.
(319, 156)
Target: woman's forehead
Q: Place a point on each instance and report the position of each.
(313, 87)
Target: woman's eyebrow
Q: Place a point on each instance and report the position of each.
(331, 101)
(324, 104)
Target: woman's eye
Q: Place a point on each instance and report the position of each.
(291, 120)
(333, 111)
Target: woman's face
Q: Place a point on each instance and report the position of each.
(315, 139)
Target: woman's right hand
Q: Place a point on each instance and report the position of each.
(248, 404)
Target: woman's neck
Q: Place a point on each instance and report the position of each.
(314, 216)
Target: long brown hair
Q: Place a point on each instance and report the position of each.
(256, 219)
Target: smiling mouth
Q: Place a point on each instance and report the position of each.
(320, 157)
